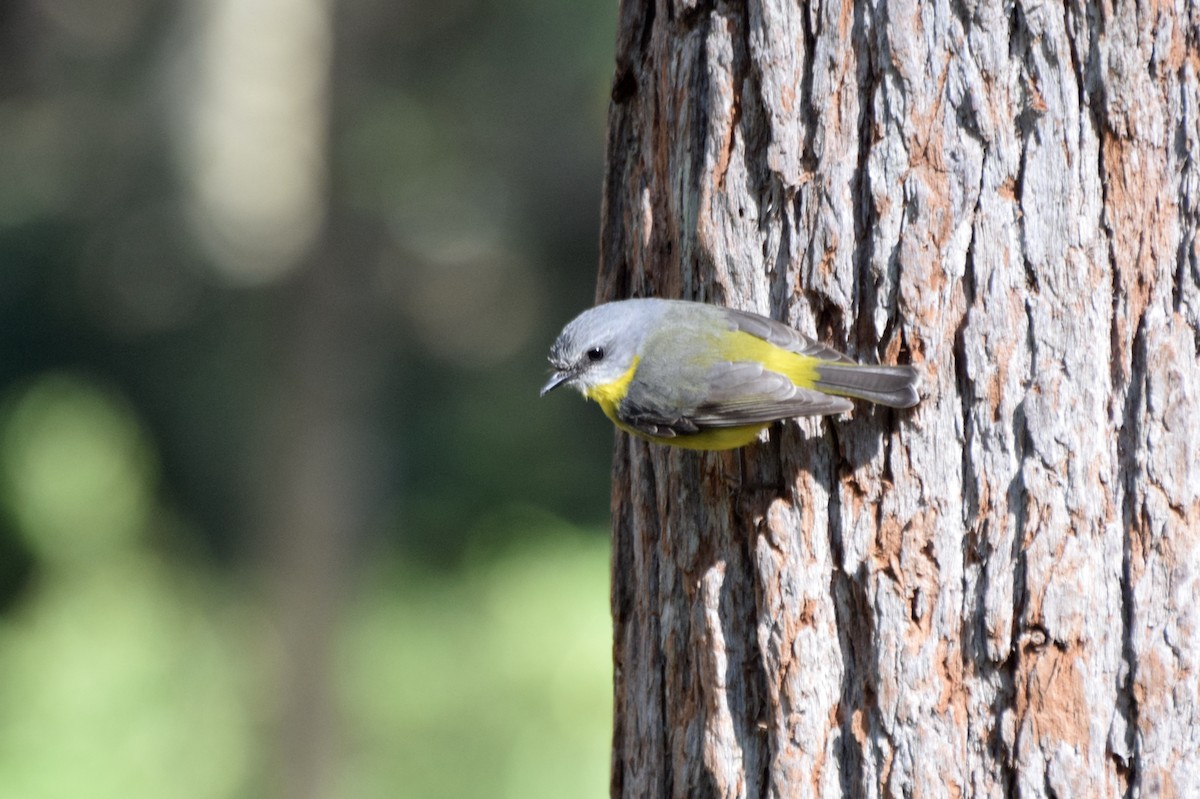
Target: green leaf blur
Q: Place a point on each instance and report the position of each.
(144, 672)
(281, 514)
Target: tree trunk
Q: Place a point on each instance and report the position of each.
(995, 593)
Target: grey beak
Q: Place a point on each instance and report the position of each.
(556, 380)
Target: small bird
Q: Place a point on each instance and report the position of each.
(700, 376)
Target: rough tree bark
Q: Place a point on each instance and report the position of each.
(994, 594)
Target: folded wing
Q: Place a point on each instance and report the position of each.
(738, 394)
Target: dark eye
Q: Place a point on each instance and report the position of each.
(595, 354)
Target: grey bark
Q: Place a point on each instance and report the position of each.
(994, 594)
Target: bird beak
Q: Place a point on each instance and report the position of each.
(556, 380)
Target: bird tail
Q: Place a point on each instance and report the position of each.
(894, 386)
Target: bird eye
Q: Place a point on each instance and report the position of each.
(595, 354)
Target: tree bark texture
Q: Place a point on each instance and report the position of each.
(994, 594)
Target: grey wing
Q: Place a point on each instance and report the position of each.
(894, 386)
(745, 393)
(781, 335)
(735, 394)
(652, 412)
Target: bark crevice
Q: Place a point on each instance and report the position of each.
(995, 580)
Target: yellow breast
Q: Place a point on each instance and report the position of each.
(610, 395)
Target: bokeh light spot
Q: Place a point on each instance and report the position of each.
(77, 470)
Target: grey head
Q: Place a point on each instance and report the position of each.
(598, 346)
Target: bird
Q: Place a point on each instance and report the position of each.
(704, 377)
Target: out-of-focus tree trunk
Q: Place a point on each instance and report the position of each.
(317, 457)
(316, 496)
(994, 594)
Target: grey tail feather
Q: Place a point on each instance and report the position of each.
(894, 386)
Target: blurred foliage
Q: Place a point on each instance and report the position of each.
(501, 681)
(120, 660)
(446, 163)
(144, 669)
(465, 155)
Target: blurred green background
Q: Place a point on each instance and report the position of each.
(280, 511)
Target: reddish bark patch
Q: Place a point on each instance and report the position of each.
(1053, 705)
